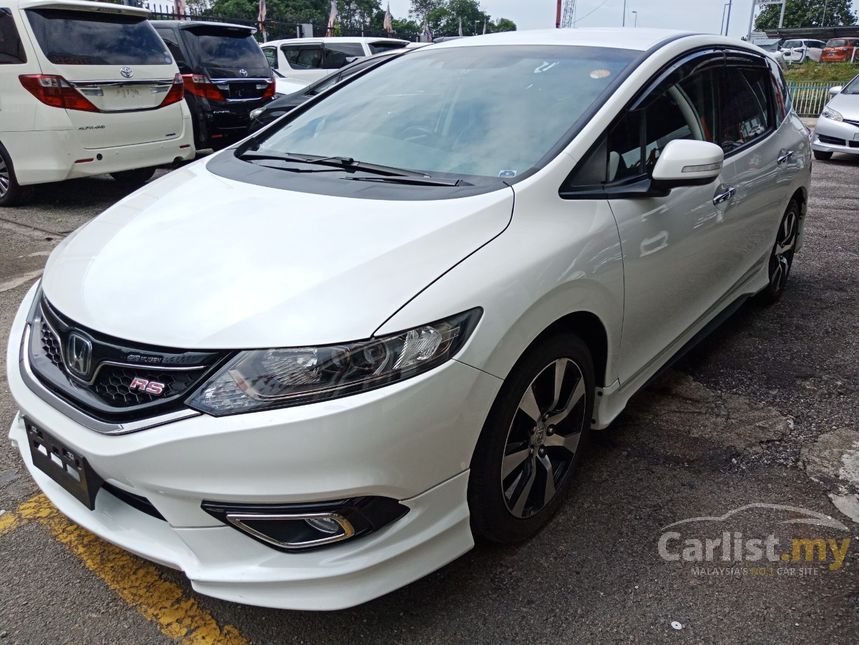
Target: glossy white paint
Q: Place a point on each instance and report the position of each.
(49, 144)
(198, 261)
(684, 159)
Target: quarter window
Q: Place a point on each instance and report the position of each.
(11, 47)
(176, 51)
(303, 57)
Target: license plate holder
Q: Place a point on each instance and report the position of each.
(63, 465)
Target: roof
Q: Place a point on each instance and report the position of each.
(337, 39)
(79, 5)
(615, 37)
(190, 24)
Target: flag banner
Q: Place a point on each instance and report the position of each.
(332, 18)
(387, 22)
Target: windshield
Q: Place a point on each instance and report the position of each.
(490, 111)
(223, 52)
(837, 42)
(91, 38)
(851, 88)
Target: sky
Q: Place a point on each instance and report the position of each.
(693, 15)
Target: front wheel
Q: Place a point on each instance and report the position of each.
(136, 177)
(822, 155)
(527, 453)
(782, 255)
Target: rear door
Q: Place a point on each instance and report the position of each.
(118, 62)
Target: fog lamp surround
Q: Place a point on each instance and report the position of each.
(299, 527)
(266, 379)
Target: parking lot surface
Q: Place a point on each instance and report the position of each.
(759, 417)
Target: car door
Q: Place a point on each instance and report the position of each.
(676, 249)
(756, 160)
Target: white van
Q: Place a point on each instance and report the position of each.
(86, 88)
(305, 60)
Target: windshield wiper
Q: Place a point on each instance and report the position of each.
(345, 163)
(410, 180)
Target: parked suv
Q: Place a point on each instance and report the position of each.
(840, 50)
(225, 73)
(802, 50)
(320, 364)
(85, 88)
(309, 59)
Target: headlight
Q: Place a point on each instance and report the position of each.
(276, 378)
(256, 112)
(830, 113)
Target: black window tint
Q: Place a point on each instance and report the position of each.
(348, 49)
(745, 112)
(271, 55)
(303, 57)
(224, 52)
(624, 148)
(782, 99)
(11, 48)
(92, 38)
(376, 48)
(169, 38)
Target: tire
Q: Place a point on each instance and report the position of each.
(137, 177)
(11, 192)
(822, 156)
(782, 256)
(513, 506)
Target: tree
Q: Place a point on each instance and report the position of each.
(445, 17)
(421, 8)
(807, 13)
(503, 24)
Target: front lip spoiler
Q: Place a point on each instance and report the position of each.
(81, 418)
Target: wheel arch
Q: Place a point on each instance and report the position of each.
(590, 328)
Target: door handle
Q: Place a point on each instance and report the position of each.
(726, 195)
(784, 157)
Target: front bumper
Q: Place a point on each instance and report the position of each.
(835, 136)
(411, 441)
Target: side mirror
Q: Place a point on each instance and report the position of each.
(835, 90)
(687, 162)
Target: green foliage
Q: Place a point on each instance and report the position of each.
(445, 16)
(836, 73)
(808, 13)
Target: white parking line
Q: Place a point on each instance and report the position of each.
(17, 281)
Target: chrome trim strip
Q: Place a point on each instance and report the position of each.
(157, 81)
(236, 519)
(79, 417)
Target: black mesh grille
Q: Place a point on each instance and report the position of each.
(113, 384)
(50, 345)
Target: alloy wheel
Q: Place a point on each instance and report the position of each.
(5, 178)
(783, 251)
(543, 438)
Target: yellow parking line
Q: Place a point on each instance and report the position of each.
(136, 581)
(8, 521)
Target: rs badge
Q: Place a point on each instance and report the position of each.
(143, 385)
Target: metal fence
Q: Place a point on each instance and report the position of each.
(808, 98)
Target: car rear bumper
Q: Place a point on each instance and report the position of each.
(835, 136)
(411, 441)
(55, 155)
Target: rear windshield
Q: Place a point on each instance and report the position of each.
(840, 42)
(90, 38)
(224, 53)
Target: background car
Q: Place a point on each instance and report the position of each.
(840, 50)
(86, 88)
(267, 113)
(837, 128)
(306, 60)
(802, 50)
(225, 74)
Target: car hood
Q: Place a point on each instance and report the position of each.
(846, 105)
(197, 261)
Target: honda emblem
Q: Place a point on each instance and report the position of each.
(79, 354)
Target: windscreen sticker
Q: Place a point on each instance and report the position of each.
(599, 73)
(507, 174)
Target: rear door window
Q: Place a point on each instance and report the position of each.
(11, 47)
(226, 53)
(303, 56)
(91, 38)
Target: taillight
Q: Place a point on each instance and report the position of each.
(56, 91)
(200, 85)
(176, 93)
(269, 92)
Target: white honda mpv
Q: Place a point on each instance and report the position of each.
(320, 364)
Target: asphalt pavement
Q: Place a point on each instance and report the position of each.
(753, 434)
